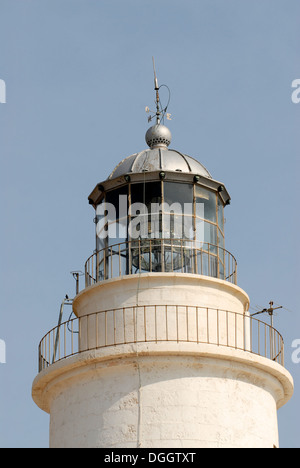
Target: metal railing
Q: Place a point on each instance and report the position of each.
(160, 255)
(157, 324)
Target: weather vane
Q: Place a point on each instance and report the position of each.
(161, 112)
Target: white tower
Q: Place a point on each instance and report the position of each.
(163, 351)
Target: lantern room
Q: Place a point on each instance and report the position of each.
(160, 211)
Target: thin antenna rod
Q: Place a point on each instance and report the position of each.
(155, 77)
(156, 87)
(160, 111)
(270, 311)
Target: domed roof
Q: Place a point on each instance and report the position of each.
(159, 159)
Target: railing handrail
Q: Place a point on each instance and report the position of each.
(225, 263)
(267, 341)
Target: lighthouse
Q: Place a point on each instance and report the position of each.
(161, 350)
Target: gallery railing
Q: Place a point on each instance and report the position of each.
(157, 324)
(160, 255)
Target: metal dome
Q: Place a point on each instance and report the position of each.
(159, 159)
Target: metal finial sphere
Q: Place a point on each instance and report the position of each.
(158, 135)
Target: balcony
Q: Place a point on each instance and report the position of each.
(160, 255)
(160, 324)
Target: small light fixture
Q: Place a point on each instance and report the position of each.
(100, 188)
(196, 178)
(227, 202)
(162, 175)
(127, 178)
(220, 188)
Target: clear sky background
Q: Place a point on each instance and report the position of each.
(78, 76)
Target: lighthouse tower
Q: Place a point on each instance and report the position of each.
(162, 350)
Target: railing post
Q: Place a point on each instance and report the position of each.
(150, 256)
(97, 267)
(247, 333)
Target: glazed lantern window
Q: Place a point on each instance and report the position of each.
(160, 210)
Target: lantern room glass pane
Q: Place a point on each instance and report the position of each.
(178, 226)
(210, 234)
(111, 218)
(147, 193)
(118, 198)
(206, 235)
(220, 214)
(117, 232)
(200, 232)
(101, 228)
(221, 240)
(178, 193)
(209, 200)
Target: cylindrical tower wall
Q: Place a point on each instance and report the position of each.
(166, 401)
(170, 307)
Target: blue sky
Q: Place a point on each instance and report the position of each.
(78, 76)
